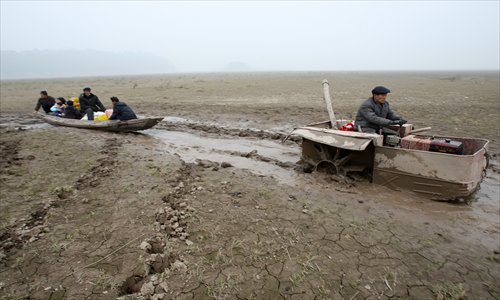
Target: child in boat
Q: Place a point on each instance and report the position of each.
(121, 111)
(70, 112)
(58, 108)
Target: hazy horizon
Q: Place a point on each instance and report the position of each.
(326, 72)
(273, 36)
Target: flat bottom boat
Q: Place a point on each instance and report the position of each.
(107, 125)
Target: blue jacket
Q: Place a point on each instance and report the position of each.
(375, 115)
(122, 112)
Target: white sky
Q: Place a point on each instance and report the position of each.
(267, 35)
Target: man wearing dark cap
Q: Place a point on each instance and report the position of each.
(375, 114)
(90, 103)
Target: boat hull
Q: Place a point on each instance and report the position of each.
(108, 125)
(439, 176)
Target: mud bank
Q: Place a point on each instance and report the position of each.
(156, 215)
(210, 205)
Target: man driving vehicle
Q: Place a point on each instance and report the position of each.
(375, 114)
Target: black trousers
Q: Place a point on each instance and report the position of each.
(89, 112)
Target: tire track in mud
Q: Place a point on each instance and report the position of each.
(161, 257)
(15, 235)
(104, 166)
(256, 156)
(10, 156)
(33, 227)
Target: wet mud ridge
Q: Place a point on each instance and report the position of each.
(186, 125)
(11, 122)
(103, 167)
(10, 153)
(161, 255)
(26, 229)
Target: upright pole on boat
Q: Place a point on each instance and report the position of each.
(328, 101)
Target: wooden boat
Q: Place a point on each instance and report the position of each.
(108, 125)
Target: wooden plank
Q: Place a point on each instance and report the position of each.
(329, 107)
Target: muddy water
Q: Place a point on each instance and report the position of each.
(191, 147)
(22, 123)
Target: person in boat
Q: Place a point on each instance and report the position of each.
(45, 101)
(58, 108)
(70, 112)
(375, 114)
(121, 110)
(90, 103)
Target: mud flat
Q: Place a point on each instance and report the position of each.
(210, 204)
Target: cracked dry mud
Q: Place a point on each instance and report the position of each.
(93, 215)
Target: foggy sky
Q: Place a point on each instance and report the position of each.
(201, 36)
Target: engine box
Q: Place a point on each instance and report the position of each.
(416, 142)
(446, 146)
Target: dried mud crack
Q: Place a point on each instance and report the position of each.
(66, 215)
(32, 228)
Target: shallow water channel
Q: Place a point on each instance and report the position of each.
(219, 149)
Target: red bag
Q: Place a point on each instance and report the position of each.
(348, 126)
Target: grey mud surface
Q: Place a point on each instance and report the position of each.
(211, 209)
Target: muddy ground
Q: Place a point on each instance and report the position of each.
(210, 204)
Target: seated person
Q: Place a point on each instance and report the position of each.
(58, 108)
(374, 115)
(121, 111)
(70, 112)
(90, 103)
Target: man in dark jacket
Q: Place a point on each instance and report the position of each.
(45, 101)
(70, 112)
(121, 111)
(90, 103)
(375, 114)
